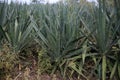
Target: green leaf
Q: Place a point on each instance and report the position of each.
(84, 51)
(113, 70)
(119, 43)
(119, 70)
(104, 67)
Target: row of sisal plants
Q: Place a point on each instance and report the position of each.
(72, 34)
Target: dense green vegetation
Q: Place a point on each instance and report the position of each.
(76, 39)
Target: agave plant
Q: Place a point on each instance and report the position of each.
(3, 20)
(59, 34)
(103, 39)
(18, 27)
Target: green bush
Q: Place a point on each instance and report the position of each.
(44, 62)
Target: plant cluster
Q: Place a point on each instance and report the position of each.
(79, 39)
(8, 60)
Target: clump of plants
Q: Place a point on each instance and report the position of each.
(75, 36)
(44, 62)
(8, 60)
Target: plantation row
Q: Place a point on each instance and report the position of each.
(73, 36)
